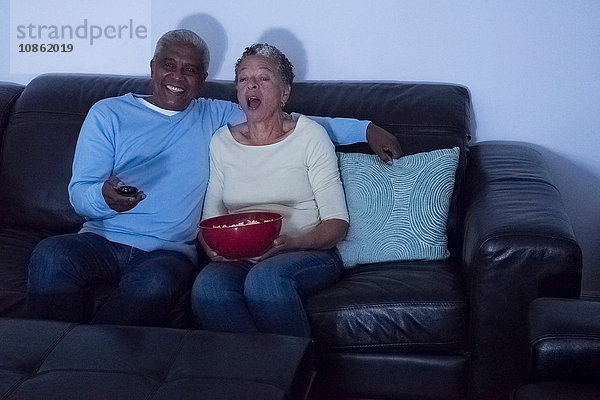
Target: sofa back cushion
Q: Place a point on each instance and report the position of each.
(41, 133)
(39, 142)
(9, 93)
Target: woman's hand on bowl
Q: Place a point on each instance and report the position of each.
(212, 254)
(281, 244)
(216, 257)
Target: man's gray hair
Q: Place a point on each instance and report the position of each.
(184, 37)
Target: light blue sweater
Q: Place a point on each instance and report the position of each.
(165, 156)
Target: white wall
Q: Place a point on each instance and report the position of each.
(533, 67)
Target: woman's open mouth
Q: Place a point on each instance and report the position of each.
(253, 102)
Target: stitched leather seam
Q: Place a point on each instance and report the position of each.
(167, 371)
(370, 306)
(174, 359)
(99, 371)
(34, 372)
(153, 392)
(565, 336)
(383, 345)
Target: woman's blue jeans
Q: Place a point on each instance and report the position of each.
(265, 297)
(147, 284)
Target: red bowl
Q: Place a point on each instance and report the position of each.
(234, 237)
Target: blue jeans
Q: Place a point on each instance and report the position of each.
(265, 297)
(147, 284)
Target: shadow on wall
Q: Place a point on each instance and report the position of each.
(580, 192)
(291, 46)
(213, 33)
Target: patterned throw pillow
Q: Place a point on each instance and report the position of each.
(397, 212)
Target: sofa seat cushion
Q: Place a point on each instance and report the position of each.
(408, 306)
(16, 245)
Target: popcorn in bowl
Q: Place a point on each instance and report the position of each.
(244, 223)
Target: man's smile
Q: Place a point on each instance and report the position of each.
(175, 89)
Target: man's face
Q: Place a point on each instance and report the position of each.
(177, 77)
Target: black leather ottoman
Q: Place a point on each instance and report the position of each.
(57, 360)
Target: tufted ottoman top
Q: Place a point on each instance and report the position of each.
(57, 360)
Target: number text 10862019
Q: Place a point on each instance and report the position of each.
(45, 48)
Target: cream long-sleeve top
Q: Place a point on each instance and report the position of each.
(297, 177)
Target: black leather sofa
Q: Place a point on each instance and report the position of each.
(447, 329)
(564, 351)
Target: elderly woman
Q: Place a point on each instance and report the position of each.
(272, 162)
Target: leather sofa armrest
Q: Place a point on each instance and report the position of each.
(518, 244)
(9, 93)
(564, 340)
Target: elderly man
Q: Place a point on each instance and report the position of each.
(143, 242)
